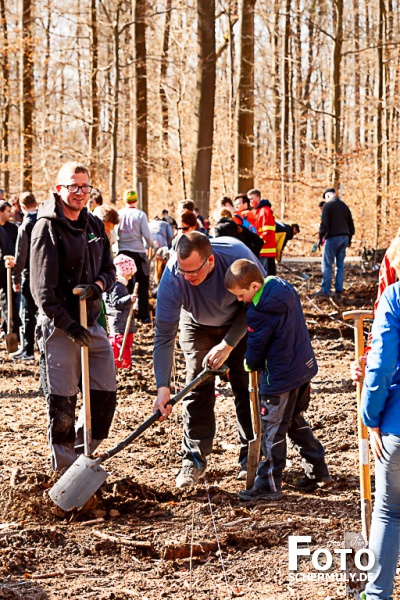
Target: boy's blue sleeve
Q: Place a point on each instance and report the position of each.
(258, 337)
(382, 359)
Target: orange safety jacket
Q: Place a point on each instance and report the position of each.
(266, 229)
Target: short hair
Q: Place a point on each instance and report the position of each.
(186, 204)
(321, 204)
(224, 213)
(242, 273)
(244, 198)
(226, 200)
(194, 241)
(188, 218)
(107, 214)
(96, 196)
(27, 199)
(295, 226)
(71, 168)
(255, 192)
(3, 205)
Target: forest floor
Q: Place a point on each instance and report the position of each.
(143, 538)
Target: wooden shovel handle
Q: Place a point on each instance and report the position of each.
(85, 379)
(128, 322)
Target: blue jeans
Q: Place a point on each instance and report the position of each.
(334, 250)
(385, 529)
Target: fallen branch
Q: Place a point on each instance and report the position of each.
(114, 538)
(186, 550)
(92, 522)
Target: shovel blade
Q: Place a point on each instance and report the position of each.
(11, 342)
(78, 484)
(355, 578)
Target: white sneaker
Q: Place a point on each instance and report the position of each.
(24, 356)
(189, 476)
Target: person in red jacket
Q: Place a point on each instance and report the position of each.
(266, 230)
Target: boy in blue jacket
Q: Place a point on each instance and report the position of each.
(279, 345)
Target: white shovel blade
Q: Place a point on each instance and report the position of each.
(78, 484)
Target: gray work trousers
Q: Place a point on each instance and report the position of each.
(282, 416)
(60, 367)
(198, 406)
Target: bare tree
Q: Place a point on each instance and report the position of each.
(94, 93)
(244, 151)
(379, 118)
(140, 175)
(204, 105)
(5, 100)
(26, 95)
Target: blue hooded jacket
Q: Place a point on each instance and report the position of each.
(278, 339)
(380, 400)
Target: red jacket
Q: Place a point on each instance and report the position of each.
(266, 229)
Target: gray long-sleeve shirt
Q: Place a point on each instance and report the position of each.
(208, 303)
(132, 228)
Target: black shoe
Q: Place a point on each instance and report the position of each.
(310, 485)
(320, 294)
(259, 494)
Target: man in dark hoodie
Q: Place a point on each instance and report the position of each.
(278, 344)
(69, 248)
(20, 276)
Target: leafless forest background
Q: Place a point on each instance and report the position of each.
(198, 99)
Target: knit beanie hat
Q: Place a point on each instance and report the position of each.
(125, 264)
(130, 196)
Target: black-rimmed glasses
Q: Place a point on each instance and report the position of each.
(85, 189)
(195, 271)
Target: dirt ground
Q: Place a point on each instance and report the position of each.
(141, 537)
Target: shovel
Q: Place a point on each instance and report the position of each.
(85, 476)
(253, 456)
(128, 322)
(354, 540)
(87, 416)
(11, 338)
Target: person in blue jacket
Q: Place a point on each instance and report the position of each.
(279, 345)
(380, 412)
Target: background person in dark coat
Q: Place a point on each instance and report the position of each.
(337, 228)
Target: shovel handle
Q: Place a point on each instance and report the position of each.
(87, 430)
(135, 434)
(128, 322)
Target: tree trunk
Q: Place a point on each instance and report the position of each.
(140, 176)
(163, 93)
(304, 114)
(5, 100)
(204, 106)
(285, 149)
(26, 95)
(277, 87)
(378, 126)
(115, 108)
(244, 151)
(335, 139)
(94, 93)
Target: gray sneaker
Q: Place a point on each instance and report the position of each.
(189, 476)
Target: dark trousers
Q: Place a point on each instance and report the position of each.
(280, 416)
(198, 406)
(16, 321)
(142, 276)
(29, 316)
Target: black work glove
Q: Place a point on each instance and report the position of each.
(90, 291)
(79, 334)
